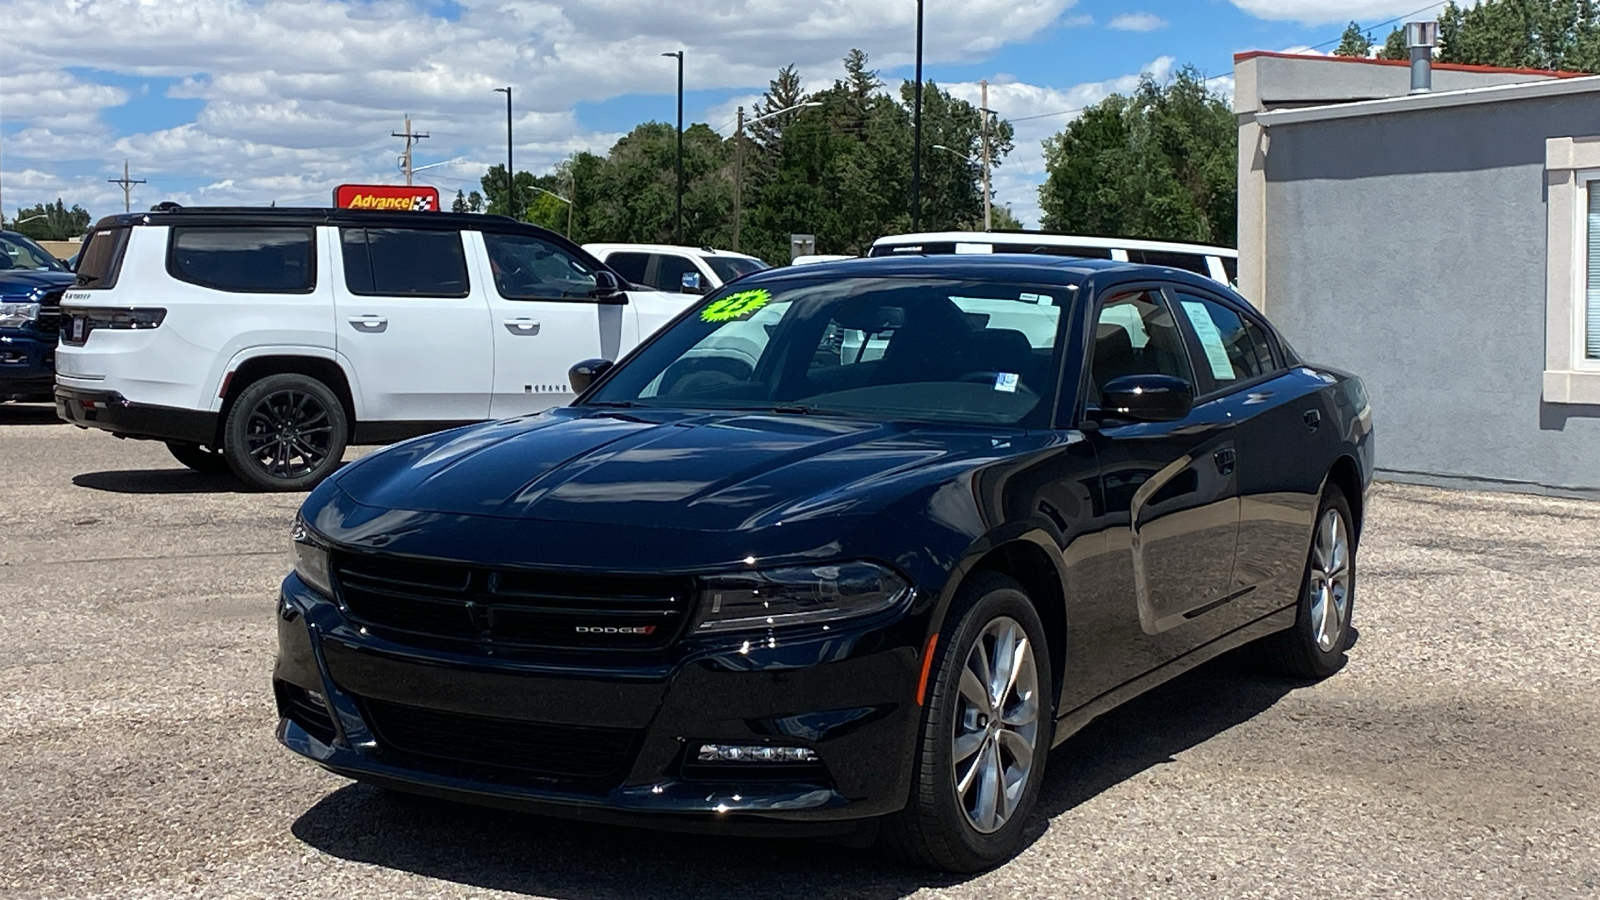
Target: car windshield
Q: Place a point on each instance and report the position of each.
(730, 267)
(891, 349)
(18, 252)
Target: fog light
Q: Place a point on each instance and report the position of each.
(754, 753)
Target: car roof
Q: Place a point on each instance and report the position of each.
(1038, 237)
(704, 252)
(304, 216)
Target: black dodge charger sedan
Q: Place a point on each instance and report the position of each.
(844, 548)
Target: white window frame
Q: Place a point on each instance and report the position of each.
(1572, 170)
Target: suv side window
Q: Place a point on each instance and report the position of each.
(670, 270)
(1189, 262)
(404, 262)
(244, 259)
(529, 268)
(1233, 348)
(631, 266)
(1136, 334)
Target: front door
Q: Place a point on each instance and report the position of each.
(411, 325)
(544, 318)
(1170, 486)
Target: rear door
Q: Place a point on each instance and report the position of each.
(544, 318)
(412, 325)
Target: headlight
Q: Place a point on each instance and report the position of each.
(16, 315)
(799, 596)
(311, 559)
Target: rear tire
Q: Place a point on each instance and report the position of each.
(201, 459)
(285, 433)
(979, 764)
(1314, 647)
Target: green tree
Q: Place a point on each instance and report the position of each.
(1003, 219)
(1538, 34)
(1160, 164)
(51, 221)
(460, 204)
(1354, 42)
(475, 201)
(1394, 47)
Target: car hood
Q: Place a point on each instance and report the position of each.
(21, 281)
(683, 471)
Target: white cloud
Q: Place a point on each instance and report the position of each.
(303, 93)
(1326, 12)
(1137, 22)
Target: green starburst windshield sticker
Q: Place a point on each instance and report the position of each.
(736, 306)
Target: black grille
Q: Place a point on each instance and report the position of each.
(540, 748)
(49, 321)
(512, 608)
(295, 705)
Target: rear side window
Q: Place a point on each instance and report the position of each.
(1189, 262)
(1233, 348)
(630, 266)
(1230, 267)
(100, 259)
(1055, 250)
(259, 260)
(404, 262)
(670, 271)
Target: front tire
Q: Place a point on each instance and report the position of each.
(285, 433)
(1315, 646)
(201, 459)
(986, 733)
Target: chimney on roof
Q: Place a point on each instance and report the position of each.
(1421, 38)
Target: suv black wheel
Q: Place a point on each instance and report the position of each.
(1315, 646)
(986, 733)
(285, 433)
(204, 460)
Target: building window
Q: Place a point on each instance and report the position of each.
(1588, 330)
(1572, 286)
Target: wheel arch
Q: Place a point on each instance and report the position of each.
(1346, 475)
(253, 369)
(1033, 561)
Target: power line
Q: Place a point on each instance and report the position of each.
(1373, 28)
(411, 138)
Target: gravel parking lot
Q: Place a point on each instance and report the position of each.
(1457, 756)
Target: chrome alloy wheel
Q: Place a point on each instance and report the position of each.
(996, 725)
(1330, 580)
(288, 433)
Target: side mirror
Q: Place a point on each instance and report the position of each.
(583, 374)
(608, 288)
(691, 283)
(1147, 398)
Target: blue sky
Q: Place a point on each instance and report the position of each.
(241, 101)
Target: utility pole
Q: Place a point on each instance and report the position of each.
(126, 184)
(511, 179)
(738, 175)
(984, 111)
(677, 226)
(916, 141)
(411, 138)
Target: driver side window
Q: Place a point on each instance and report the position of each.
(1136, 334)
(526, 267)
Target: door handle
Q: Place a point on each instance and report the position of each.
(522, 326)
(370, 324)
(1224, 459)
(1313, 419)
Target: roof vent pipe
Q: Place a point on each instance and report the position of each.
(1421, 38)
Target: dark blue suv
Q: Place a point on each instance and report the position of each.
(31, 284)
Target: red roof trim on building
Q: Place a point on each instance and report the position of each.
(1448, 67)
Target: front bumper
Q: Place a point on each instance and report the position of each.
(846, 694)
(110, 411)
(27, 365)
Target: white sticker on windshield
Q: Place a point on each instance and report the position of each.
(1037, 299)
(1210, 339)
(1006, 382)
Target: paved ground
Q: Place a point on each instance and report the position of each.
(1457, 756)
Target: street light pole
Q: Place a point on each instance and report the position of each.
(738, 159)
(984, 111)
(916, 149)
(511, 179)
(677, 226)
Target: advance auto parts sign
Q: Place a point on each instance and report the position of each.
(386, 196)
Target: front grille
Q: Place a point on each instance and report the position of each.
(296, 706)
(49, 321)
(511, 608)
(539, 748)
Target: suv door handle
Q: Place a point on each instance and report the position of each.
(1313, 419)
(522, 326)
(1224, 459)
(370, 324)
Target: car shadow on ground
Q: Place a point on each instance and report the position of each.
(497, 850)
(160, 481)
(28, 414)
